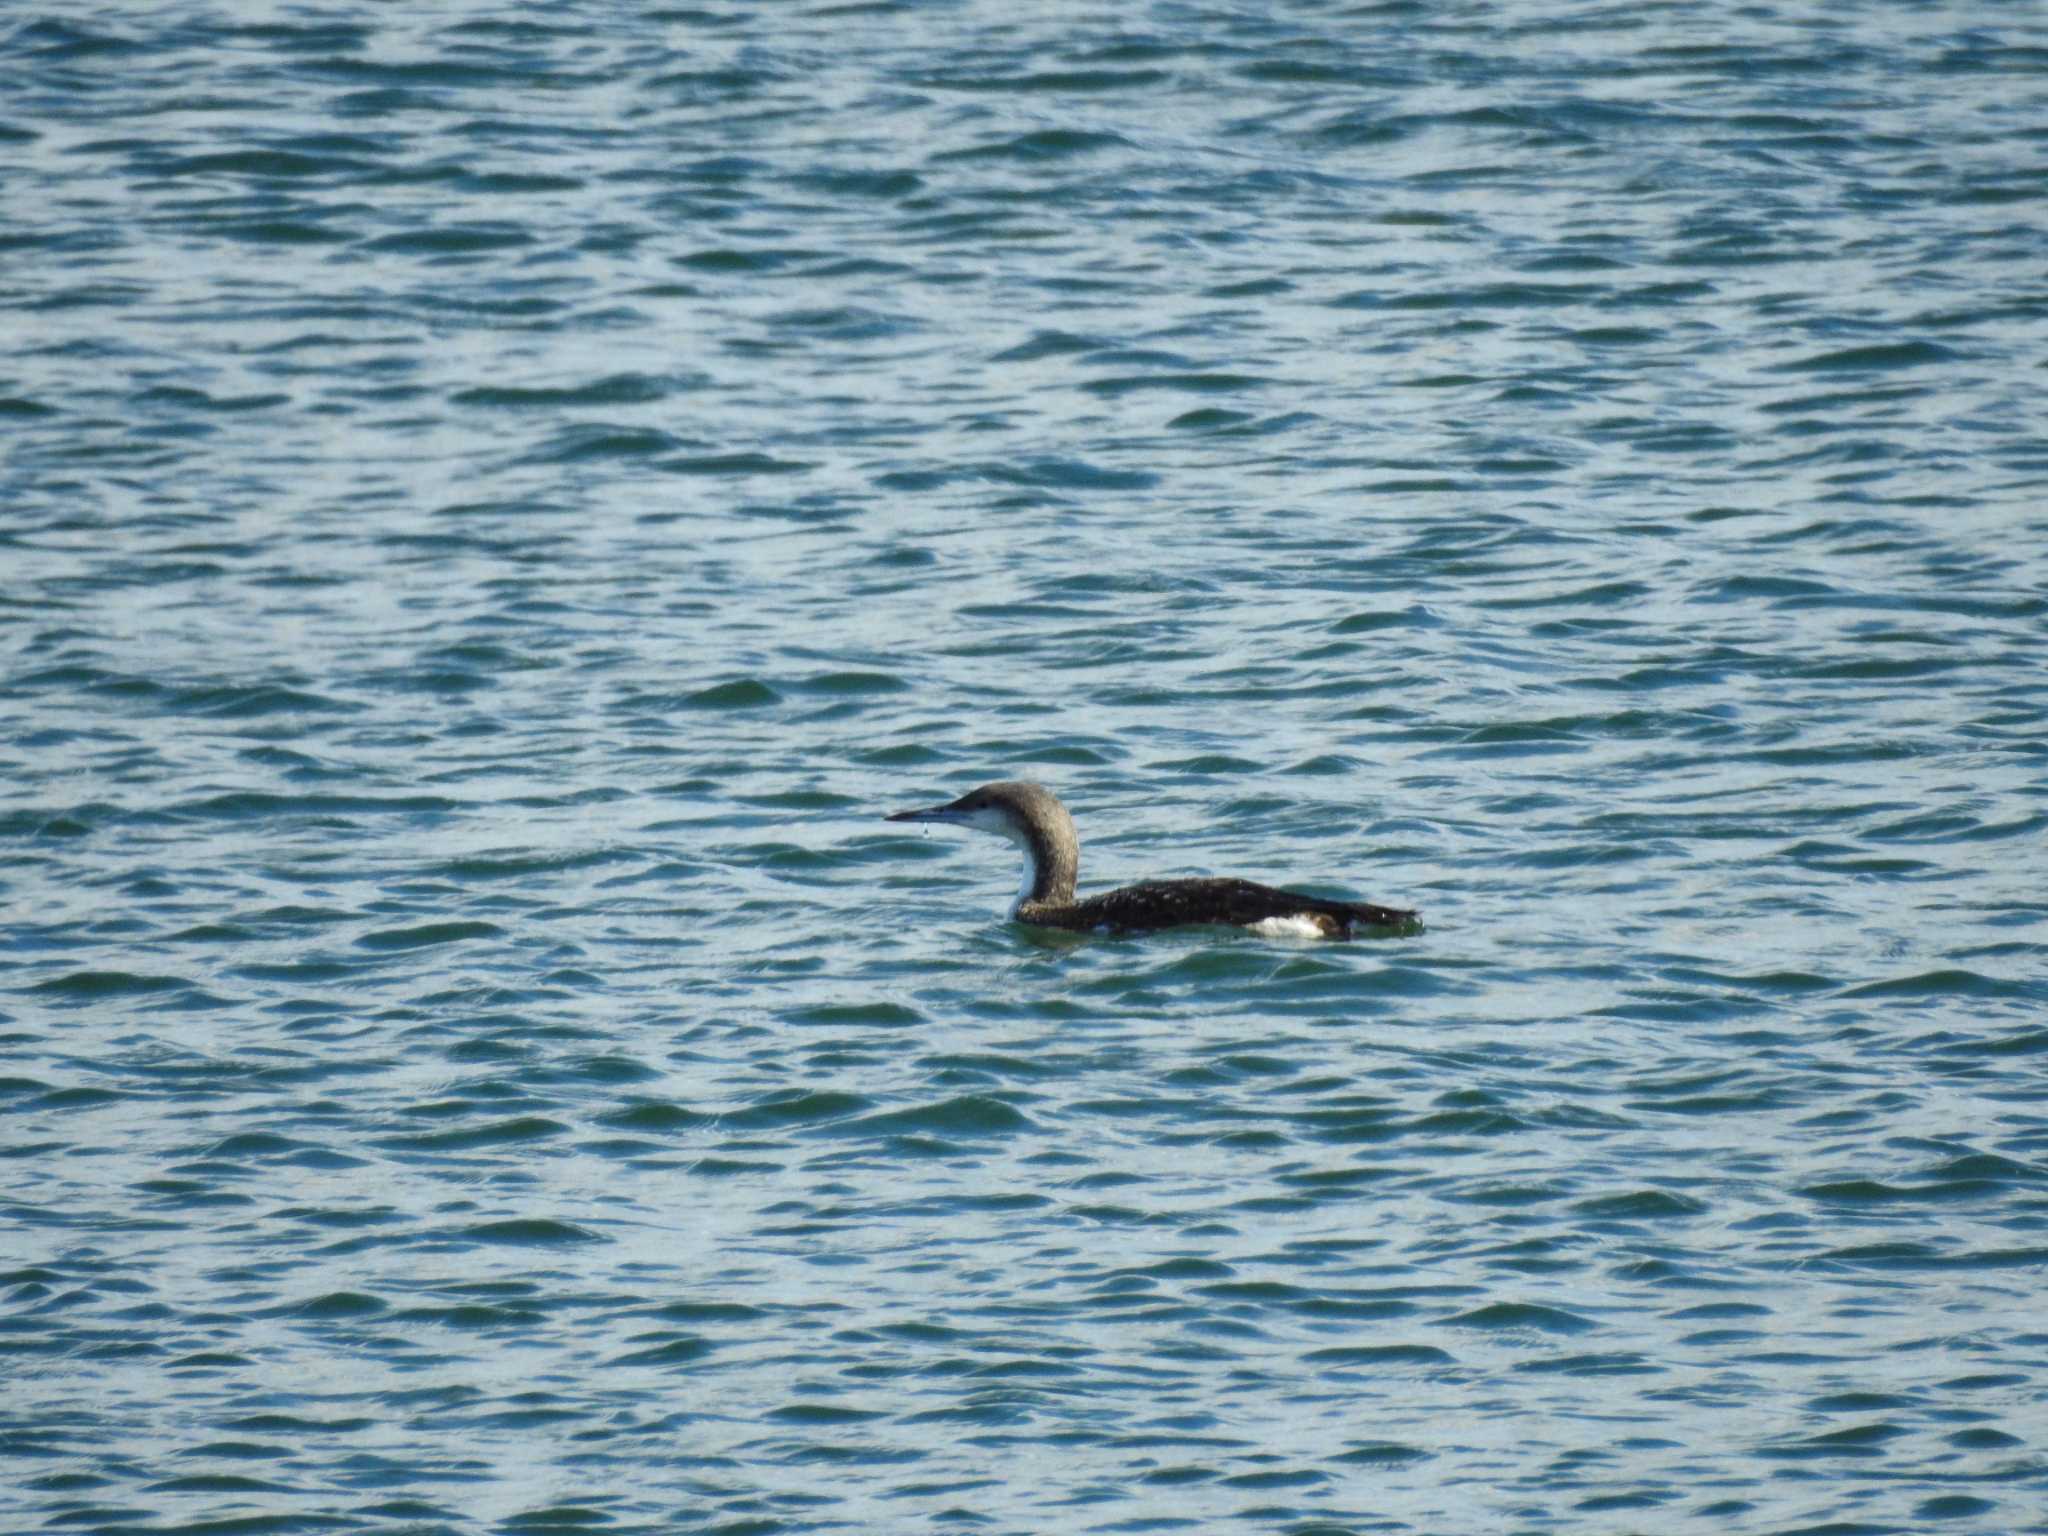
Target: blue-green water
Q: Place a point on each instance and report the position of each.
(495, 502)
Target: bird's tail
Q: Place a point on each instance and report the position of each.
(1355, 915)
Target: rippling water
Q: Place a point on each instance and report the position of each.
(497, 501)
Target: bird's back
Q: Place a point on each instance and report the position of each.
(1155, 904)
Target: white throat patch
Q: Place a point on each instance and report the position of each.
(1024, 885)
(989, 819)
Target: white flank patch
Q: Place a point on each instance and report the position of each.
(1299, 926)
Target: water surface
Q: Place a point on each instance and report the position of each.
(496, 503)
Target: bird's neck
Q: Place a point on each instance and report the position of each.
(1051, 863)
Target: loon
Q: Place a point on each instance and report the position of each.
(1031, 817)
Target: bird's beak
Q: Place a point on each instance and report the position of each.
(941, 813)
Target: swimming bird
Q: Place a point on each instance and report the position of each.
(1030, 816)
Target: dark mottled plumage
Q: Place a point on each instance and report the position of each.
(1030, 816)
(1153, 904)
